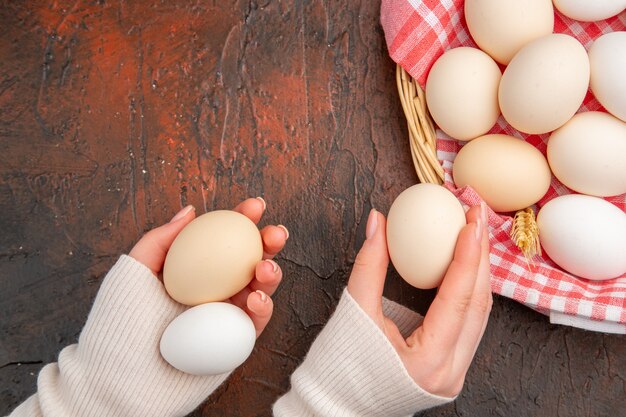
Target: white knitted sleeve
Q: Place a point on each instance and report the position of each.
(116, 368)
(353, 370)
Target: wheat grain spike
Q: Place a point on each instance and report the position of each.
(525, 234)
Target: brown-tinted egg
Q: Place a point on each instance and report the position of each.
(212, 258)
(508, 173)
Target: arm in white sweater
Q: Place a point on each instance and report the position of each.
(116, 368)
(352, 370)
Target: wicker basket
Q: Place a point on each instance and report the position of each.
(423, 141)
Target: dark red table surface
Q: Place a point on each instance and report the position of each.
(113, 115)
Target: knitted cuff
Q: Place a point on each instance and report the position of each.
(406, 319)
(353, 370)
(116, 368)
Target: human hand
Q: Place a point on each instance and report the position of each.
(437, 355)
(254, 299)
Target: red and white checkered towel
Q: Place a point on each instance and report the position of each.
(417, 33)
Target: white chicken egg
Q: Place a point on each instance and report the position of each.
(607, 59)
(588, 154)
(590, 10)
(584, 235)
(208, 339)
(503, 27)
(458, 74)
(544, 84)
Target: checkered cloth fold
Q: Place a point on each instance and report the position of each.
(417, 33)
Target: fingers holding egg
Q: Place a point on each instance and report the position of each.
(259, 307)
(446, 316)
(252, 208)
(268, 277)
(481, 301)
(274, 239)
(152, 248)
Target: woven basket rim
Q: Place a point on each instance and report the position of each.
(423, 144)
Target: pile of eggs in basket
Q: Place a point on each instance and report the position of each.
(537, 81)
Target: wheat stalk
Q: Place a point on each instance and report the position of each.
(525, 233)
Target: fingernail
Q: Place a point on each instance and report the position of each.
(285, 230)
(274, 265)
(479, 230)
(483, 212)
(372, 224)
(262, 201)
(182, 213)
(262, 295)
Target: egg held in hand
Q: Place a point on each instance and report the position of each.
(212, 258)
(422, 229)
(584, 235)
(208, 339)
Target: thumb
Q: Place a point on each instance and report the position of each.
(370, 267)
(153, 246)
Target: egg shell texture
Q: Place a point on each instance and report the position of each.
(502, 27)
(212, 258)
(584, 235)
(545, 84)
(208, 339)
(588, 154)
(607, 57)
(462, 92)
(423, 224)
(508, 173)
